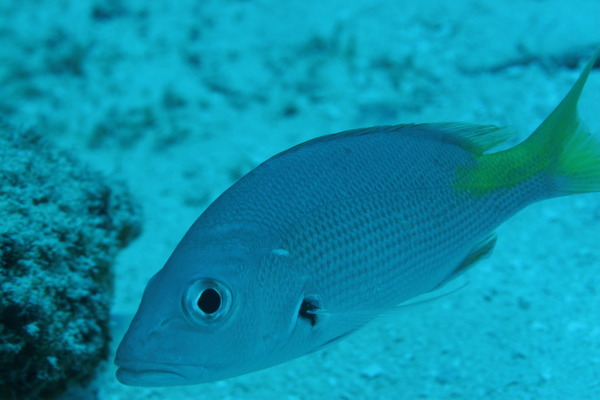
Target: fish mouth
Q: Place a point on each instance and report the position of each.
(151, 374)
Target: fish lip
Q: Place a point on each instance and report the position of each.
(133, 373)
(150, 377)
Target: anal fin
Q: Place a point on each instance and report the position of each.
(482, 250)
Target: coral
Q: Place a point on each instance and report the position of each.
(61, 226)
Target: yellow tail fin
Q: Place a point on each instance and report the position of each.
(561, 146)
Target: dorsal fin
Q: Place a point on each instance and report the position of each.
(476, 139)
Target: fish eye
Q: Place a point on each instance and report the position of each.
(206, 301)
(209, 301)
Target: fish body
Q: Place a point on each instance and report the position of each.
(320, 239)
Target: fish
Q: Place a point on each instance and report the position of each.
(320, 239)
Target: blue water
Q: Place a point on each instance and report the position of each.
(180, 99)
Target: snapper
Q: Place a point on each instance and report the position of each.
(318, 240)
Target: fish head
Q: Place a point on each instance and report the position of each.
(219, 308)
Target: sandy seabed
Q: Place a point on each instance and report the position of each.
(181, 98)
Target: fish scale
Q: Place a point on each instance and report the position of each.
(383, 249)
(291, 184)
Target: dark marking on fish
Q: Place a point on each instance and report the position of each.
(307, 310)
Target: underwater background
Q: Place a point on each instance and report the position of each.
(179, 99)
